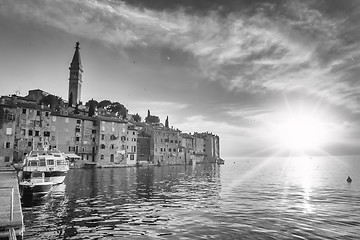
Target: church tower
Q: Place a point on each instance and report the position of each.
(75, 79)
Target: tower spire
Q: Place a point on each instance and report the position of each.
(75, 78)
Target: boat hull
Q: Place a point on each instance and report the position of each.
(35, 188)
(56, 177)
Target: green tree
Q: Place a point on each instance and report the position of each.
(137, 117)
(153, 119)
(167, 122)
(91, 104)
(92, 101)
(52, 101)
(118, 109)
(105, 104)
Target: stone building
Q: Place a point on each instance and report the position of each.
(165, 145)
(75, 134)
(8, 112)
(131, 144)
(112, 149)
(143, 147)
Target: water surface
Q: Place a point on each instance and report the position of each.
(304, 198)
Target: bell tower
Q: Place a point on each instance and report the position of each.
(75, 78)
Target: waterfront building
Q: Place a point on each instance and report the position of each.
(187, 144)
(143, 147)
(31, 126)
(74, 134)
(7, 131)
(131, 144)
(112, 136)
(206, 147)
(165, 145)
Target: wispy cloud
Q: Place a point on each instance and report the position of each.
(295, 48)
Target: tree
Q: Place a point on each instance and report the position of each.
(92, 101)
(104, 104)
(147, 117)
(118, 109)
(153, 119)
(52, 101)
(137, 117)
(92, 105)
(167, 122)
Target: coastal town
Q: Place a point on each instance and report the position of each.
(94, 134)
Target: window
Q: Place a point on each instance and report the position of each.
(93, 140)
(102, 136)
(132, 157)
(29, 144)
(23, 132)
(50, 161)
(7, 159)
(102, 146)
(83, 149)
(77, 129)
(102, 157)
(112, 158)
(10, 117)
(93, 131)
(112, 137)
(176, 141)
(37, 113)
(174, 149)
(161, 149)
(112, 146)
(7, 144)
(46, 134)
(155, 149)
(133, 133)
(37, 133)
(76, 149)
(169, 149)
(77, 139)
(8, 131)
(46, 114)
(171, 141)
(166, 140)
(24, 110)
(134, 148)
(78, 121)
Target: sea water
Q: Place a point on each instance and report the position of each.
(247, 198)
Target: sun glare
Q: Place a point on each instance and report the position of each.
(301, 132)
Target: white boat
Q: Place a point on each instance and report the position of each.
(52, 162)
(35, 185)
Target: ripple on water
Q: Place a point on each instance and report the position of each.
(196, 202)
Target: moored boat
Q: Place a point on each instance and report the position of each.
(35, 185)
(52, 162)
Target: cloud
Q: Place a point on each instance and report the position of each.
(293, 47)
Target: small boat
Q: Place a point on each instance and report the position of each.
(35, 185)
(52, 162)
(349, 180)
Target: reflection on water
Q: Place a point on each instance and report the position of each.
(246, 199)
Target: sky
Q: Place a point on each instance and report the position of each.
(237, 68)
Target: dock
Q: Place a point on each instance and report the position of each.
(11, 217)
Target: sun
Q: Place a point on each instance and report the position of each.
(300, 132)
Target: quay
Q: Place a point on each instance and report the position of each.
(11, 217)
